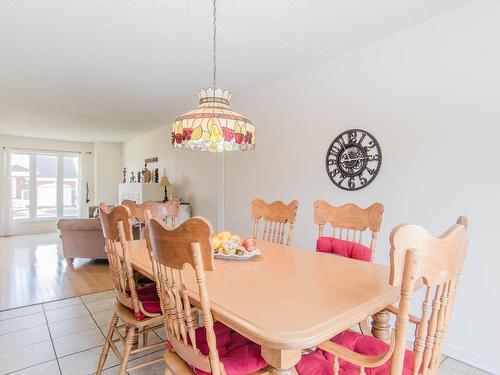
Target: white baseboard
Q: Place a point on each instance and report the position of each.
(471, 359)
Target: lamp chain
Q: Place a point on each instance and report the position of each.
(215, 46)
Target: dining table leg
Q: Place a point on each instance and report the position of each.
(281, 362)
(381, 327)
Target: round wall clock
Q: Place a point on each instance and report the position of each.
(353, 159)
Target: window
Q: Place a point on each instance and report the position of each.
(44, 185)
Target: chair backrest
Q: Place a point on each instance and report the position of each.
(278, 219)
(117, 228)
(167, 211)
(349, 221)
(417, 256)
(172, 249)
(164, 211)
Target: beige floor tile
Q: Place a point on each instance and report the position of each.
(84, 363)
(111, 371)
(460, 368)
(47, 368)
(22, 311)
(161, 332)
(77, 342)
(24, 337)
(26, 356)
(105, 328)
(66, 313)
(101, 305)
(445, 370)
(71, 326)
(62, 303)
(22, 322)
(97, 296)
(156, 369)
(151, 340)
(103, 317)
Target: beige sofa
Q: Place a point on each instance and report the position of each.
(82, 238)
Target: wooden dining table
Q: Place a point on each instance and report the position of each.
(287, 299)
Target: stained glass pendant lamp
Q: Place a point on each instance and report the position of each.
(213, 126)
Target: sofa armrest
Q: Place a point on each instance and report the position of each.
(79, 224)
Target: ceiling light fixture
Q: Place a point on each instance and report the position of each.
(213, 126)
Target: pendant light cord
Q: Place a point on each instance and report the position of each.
(215, 46)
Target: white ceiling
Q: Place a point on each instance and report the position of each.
(106, 70)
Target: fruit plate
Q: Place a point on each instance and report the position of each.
(246, 256)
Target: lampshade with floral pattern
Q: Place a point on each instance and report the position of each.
(213, 126)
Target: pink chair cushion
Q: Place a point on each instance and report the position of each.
(347, 249)
(321, 363)
(239, 355)
(149, 299)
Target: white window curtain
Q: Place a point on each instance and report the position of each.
(5, 193)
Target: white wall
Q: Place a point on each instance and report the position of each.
(192, 174)
(108, 171)
(86, 149)
(431, 96)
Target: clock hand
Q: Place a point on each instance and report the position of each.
(363, 158)
(345, 151)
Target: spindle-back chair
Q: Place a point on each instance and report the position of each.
(277, 217)
(171, 250)
(117, 228)
(349, 221)
(436, 262)
(166, 211)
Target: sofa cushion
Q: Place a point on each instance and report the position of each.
(148, 298)
(321, 363)
(347, 249)
(239, 355)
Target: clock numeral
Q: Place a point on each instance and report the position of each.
(342, 142)
(373, 157)
(362, 138)
(369, 146)
(334, 151)
(332, 161)
(351, 183)
(370, 171)
(363, 180)
(334, 172)
(353, 135)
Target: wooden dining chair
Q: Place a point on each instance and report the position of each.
(204, 348)
(417, 258)
(137, 308)
(167, 211)
(348, 223)
(278, 218)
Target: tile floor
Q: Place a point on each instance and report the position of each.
(65, 337)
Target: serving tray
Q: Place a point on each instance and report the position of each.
(246, 256)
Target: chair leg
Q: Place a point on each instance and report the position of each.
(145, 336)
(105, 348)
(129, 342)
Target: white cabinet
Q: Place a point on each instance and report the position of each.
(184, 213)
(140, 192)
